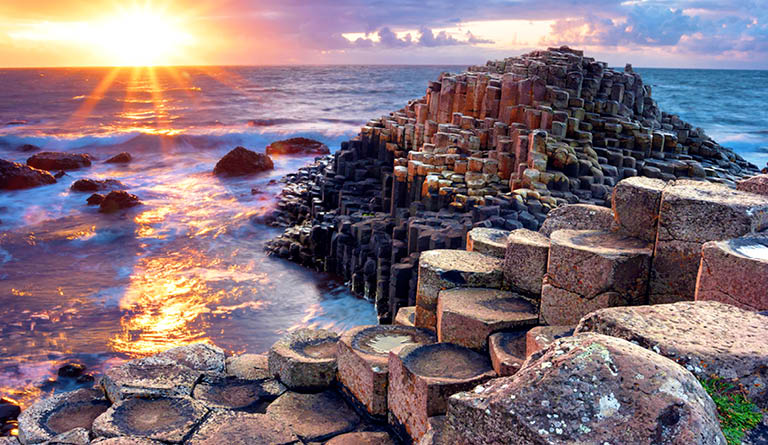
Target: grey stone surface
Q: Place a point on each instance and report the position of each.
(525, 261)
(314, 417)
(76, 436)
(234, 428)
(237, 394)
(577, 217)
(198, 357)
(491, 242)
(636, 202)
(305, 359)
(249, 366)
(149, 377)
(59, 414)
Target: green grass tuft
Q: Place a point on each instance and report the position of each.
(737, 414)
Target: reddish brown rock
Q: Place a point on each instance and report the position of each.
(692, 214)
(94, 185)
(232, 393)
(591, 389)
(232, 428)
(165, 419)
(577, 217)
(507, 350)
(421, 379)
(636, 203)
(241, 161)
(363, 361)
(445, 269)
(706, 337)
(297, 146)
(305, 359)
(249, 366)
(59, 414)
(756, 184)
(525, 261)
(406, 316)
(118, 200)
(735, 272)
(15, 176)
(52, 160)
(541, 337)
(561, 307)
(491, 242)
(120, 158)
(314, 417)
(95, 199)
(362, 438)
(467, 316)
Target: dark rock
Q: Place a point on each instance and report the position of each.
(314, 417)
(28, 147)
(297, 146)
(117, 200)
(53, 160)
(59, 414)
(95, 199)
(71, 370)
(94, 185)
(121, 158)
(242, 161)
(165, 419)
(8, 410)
(60, 174)
(230, 428)
(15, 176)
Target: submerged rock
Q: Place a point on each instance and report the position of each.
(94, 185)
(53, 160)
(242, 161)
(591, 389)
(118, 200)
(297, 146)
(59, 414)
(28, 147)
(121, 158)
(95, 199)
(15, 176)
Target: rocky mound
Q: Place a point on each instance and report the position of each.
(241, 161)
(52, 160)
(298, 146)
(94, 185)
(120, 158)
(118, 200)
(15, 176)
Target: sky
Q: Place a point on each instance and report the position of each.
(647, 33)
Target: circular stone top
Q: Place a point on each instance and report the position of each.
(230, 392)
(148, 417)
(511, 343)
(309, 344)
(446, 361)
(61, 413)
(460, 260)
(488, 304)
(378, 340)
(755, 248)
(601, 242)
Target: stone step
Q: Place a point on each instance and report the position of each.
(507, 351)
(305, 359)
(593, 269)
(525, 261)
(314, 417)
(423, 377)
(491, 242)
(636, 202)
(541, 337)
(467, 316)
(406, 316)
(363, 361)
(164, 419)
(445, 269)
(577, 217)
(735, 272)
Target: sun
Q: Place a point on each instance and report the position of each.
(142, 36)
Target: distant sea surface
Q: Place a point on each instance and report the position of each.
(188, 265)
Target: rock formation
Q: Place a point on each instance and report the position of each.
(297, 146)
(15, 176)
(241, 161)
(53, 160)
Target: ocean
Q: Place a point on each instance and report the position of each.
(188, 265)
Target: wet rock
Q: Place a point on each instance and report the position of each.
(95, 199)
(149, 377)
(236, 394)
(592, 389)
(202, 357)
(297, 146)
(305, 359)
(467, 316)
(164, 419)
(118, 200)
(60, 174)
(444, 269)
(363, 361)
(61, 413)
(71, 370)
(94, 185)
(249, 367)
(541, 337)
(9, 440)
(491, 242)
(507, 351)
(734, 272)
(636, 202)
(233, 428)
(15, 176)
(77, 436)
(120, 158)
(706, 337)
(314, 417)
(577, 217)
(125, 441)
(406, 316)
(422, 377)
(9, 410)
(28, 148)
(691, 214)
(53, 160)
(362, 438)
(756, 184)
(241, 161)
(525, 260)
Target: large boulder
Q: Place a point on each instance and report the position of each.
(94, 185)
(15, 176)
(242, 161)
(706, 337)
(297, 146)
(54, 160)
(120, 158)
(587, 389)
(577, 217)
(118, 200)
